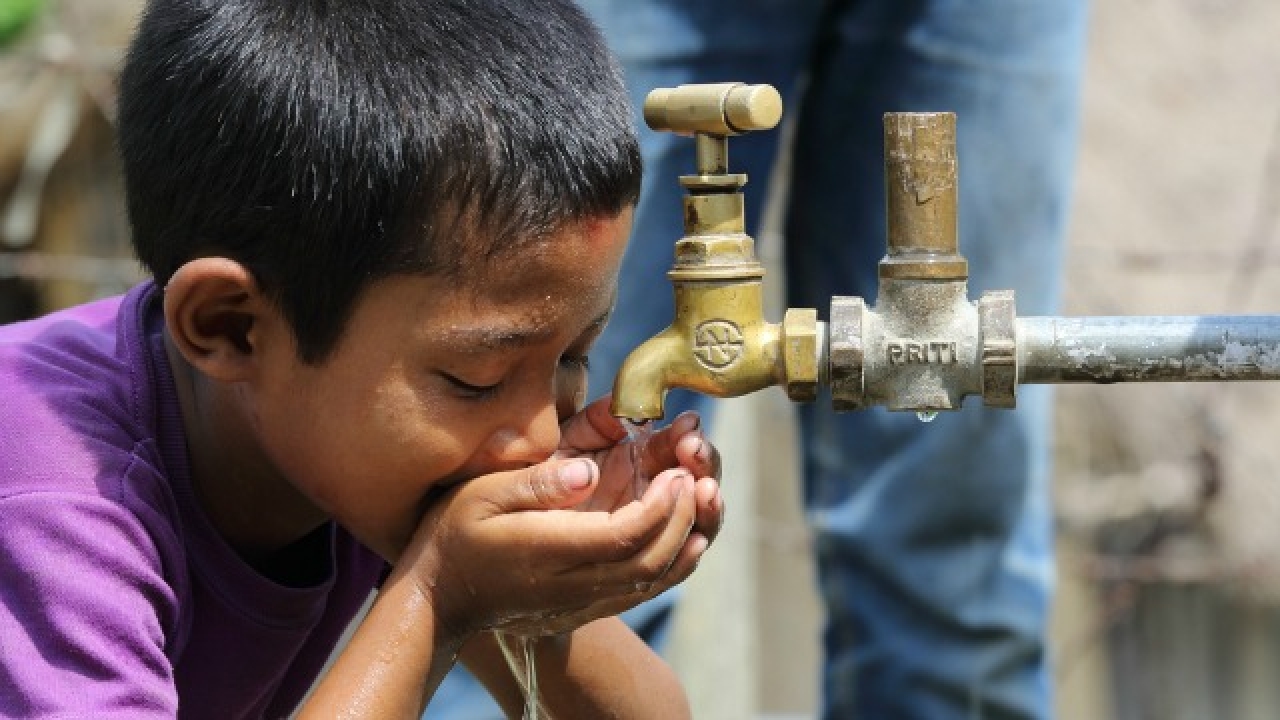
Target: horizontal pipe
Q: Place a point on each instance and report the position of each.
(1148, 349)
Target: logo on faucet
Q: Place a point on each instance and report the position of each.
(918, 352)
(717, 344)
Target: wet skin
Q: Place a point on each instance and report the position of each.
(436, 385)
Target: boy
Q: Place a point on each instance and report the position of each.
(384, 235)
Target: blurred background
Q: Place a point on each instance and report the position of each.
(1167, 496)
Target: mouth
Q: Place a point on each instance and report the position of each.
(439, 490)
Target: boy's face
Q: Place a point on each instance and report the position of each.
(438, 380)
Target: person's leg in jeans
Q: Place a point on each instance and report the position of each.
(934, 541)
(664, 44)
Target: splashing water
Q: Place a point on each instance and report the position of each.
(530, 680)
(638, 434)
(926, 416)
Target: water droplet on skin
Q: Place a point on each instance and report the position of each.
(925, 417)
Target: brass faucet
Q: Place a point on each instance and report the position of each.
(924, 346)
(719, 343)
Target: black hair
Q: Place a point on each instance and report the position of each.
(325, 144)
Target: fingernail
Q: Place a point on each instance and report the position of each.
(693, 417)
(577, 474)
(700, 543)
(678, 482)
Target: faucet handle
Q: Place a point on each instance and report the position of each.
(713, 108)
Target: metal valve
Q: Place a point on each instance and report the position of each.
(713, 108)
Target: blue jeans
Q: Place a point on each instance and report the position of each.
(933, 541)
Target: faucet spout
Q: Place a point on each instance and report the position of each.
(640, 389)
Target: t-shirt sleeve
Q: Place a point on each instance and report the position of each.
(85, 612)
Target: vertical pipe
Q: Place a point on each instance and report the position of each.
(920, 197)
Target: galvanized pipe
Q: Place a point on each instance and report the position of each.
(1148, 349)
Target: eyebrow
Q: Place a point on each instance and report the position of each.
(488, 339)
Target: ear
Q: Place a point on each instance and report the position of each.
(217, 317)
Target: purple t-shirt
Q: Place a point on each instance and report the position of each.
(118, 598)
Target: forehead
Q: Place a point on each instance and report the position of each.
(581, 257)
(568, 275)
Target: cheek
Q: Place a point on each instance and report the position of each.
(405, 434)
(367, 447)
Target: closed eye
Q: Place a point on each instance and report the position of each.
(474, 392)
(575, 362)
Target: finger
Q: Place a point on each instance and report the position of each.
(574, 557)
(655, 563)
(685, 562)
(607, 601)
(709, 515)
(578, 539)
(592, 429)
(699, 455)
(643, 566)
(686, 422)
(660, 450)
(641, 525)
(710, 508)
(550, 485)
(680, 569)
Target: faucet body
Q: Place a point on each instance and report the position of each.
(925, 346)
(719, 342)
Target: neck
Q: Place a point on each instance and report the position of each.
(255, 508)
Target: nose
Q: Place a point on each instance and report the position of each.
(529, 438)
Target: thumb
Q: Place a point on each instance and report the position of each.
(551, 485)
(593, 428)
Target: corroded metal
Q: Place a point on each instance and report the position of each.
(920, 346)
(924, 346)
(920, 197)
(845, 354)
(997, 323)
(1148, 349)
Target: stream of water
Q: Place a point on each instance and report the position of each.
(638, 434)
(530, 680)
